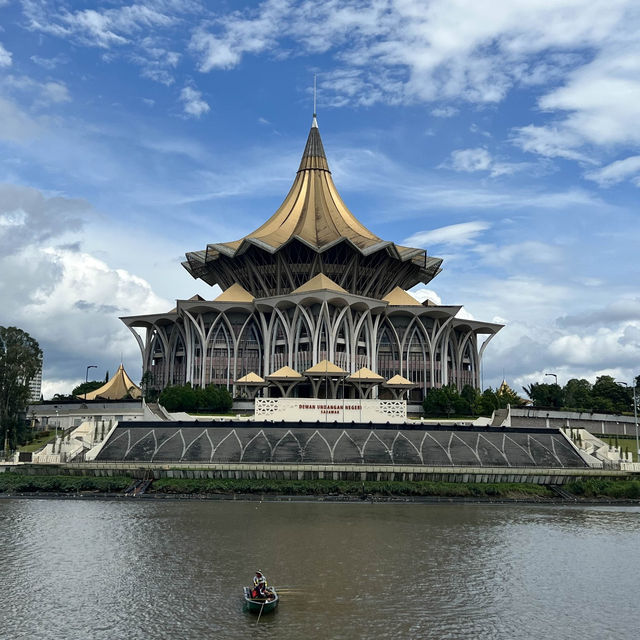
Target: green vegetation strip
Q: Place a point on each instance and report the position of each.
(347, 488)
(594, 488)
(591, 488)
(16, 483)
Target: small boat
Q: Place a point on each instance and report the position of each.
(261, 605)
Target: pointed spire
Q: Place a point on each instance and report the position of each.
(313, 156)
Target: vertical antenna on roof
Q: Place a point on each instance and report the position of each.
(315, 122)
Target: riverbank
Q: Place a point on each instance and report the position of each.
(14, 484)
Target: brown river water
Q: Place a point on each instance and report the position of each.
(94, 569)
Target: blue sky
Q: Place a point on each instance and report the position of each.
(500, 136)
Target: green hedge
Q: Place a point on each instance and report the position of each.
(339, 487)
(595, 488)
(591, 488)
(16, 483)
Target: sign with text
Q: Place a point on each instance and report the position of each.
(314, 409)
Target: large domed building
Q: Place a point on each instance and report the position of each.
(313, 305)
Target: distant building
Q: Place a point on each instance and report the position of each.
(314, 305)
(35, 387)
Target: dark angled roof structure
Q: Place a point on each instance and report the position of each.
(312, 232)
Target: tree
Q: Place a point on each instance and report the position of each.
(577, 395)
(488, 402)
(471, 398)
(86, 387)
(20, 362)
(610, 397)
(187, 398)
(545, 395)
(146, 384)
(443, 402)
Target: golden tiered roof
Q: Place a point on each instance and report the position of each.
(313, 212)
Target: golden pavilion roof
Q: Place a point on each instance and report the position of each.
(319, 282)
(400, 298)
(120, 386)
(235, 293)
(325, 367)
(399, 381)
(285, 373)
(365, 375)
(251, 378)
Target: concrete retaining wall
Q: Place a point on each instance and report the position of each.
(358, 473)
(596, 423)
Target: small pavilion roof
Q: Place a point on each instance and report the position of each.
(235, 293)
(285, 373)
(399, 382)
(251, 378)
(325, 368)
(319, 282)
(365, 375)
(120, 386)
(400, 298)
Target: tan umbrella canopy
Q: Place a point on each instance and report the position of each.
(119, 387)
(285, 379)
(252, 382)
(364, 380)
(328, 372)
(399, 386)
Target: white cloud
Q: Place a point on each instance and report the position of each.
(55, 92)
(421, 294)
(463, 314)
(447, 49)
(528, 252)
(5, 57)
(43, 94)
(49, 63)
(193, 103)
(453, 234)
(616, 171)
(470, 160)
(215, 53)
(29, 218)
(15, 124)
(479, 159)
(444, 112)
(617, 346)
(67, 299)
(554, 141)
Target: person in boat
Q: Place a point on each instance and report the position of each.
(259, 586)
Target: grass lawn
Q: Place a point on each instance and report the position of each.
(624, 442)
(212, 415)
(39, 441)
